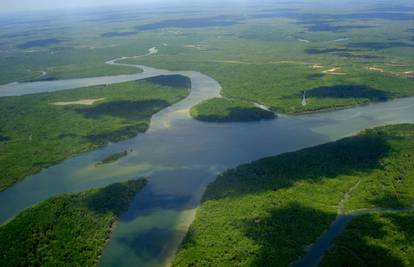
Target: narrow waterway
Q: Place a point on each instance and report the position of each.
(316, 251)
(180, 156)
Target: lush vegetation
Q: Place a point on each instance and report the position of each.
(379, 240)
(67, 230)
(64, 64)
(340, 59)
(280, 86)
(266, 212)
(268, 54)
(225, 110)
(81, 71)
(112, 158)
(37, 133)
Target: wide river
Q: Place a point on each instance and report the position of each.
(180, 156)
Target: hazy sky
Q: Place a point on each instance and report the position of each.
(25, 5)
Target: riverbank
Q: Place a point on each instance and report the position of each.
(71, 229)
(377, 239)
(280, 86)
(39, 134)
(155, 155)
(268, 211)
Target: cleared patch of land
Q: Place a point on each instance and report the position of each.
(68, 230)
(267, 212)
(86, 102)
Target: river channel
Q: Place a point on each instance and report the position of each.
(180, 156)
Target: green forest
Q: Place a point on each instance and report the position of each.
(341, 57)
(379, 239)
(39, 130)
(225, 110)
(266, 212)
(67, 230)
(273, 60)
(280, 86)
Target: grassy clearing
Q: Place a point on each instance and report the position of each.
(36, 134)
(69, 230)
(266, 212)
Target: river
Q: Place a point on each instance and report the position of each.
(180, 156)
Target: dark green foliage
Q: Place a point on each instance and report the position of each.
(356, 56)
(315, 76)
(67, 230)
(225, 110)
(188, 23)
(114, 198)
(39, 43)
(266, 212)
(129, 110)
(377, 240)
(117, 34)
(315, 51)
(379, 45)
(4, 138)
(324, 26)
(348, 91)
(40, 133)
(177, 81)
(112, 158)
(342, 52)
(124, 133)
(343, 157)
(276, 234)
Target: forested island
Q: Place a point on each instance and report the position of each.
(112, 158)
(225, 110)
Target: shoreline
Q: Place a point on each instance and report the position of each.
(210, 88)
